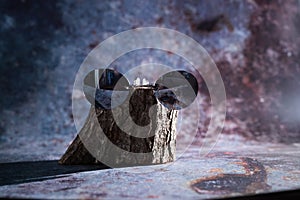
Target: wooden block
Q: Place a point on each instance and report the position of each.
(156, 137)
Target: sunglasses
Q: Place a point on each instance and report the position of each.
(108, 88)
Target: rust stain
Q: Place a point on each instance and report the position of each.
(253, 180)
(152, 196)
(93, 44)
(290, 178)
(229, 153)
(216, 170)
(220, 154)
(213, 24)
(159, 20)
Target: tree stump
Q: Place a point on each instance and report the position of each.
(141, 128)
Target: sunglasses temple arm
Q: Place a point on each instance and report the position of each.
(96, 74)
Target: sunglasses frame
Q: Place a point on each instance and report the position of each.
(112, 80)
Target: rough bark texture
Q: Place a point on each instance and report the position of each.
(141, 128)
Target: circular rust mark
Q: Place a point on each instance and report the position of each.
(254, 179)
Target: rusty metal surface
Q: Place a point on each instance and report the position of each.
(233, 168)
(255, 44)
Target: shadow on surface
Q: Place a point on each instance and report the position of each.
(24, 172)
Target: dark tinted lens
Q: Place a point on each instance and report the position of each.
(101, 84)
(176, 89)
